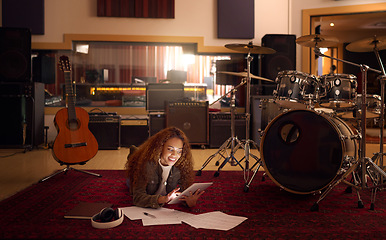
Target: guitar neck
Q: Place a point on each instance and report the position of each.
(70, 97)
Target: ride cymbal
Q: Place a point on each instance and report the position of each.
(368, 44)
(317, 40)
(250, 48)
(245, 74)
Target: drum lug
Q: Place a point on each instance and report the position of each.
(342, 137)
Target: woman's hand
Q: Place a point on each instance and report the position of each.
(191, 200)
(169, 197)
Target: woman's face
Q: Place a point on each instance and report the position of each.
(171, 151)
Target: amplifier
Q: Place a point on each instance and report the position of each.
(107, 130)
(191, 118)
(157, 122)
(134, 132)
(220, 128)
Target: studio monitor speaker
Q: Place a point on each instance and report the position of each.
(15, 55)
(22, 124)
(283, 59)
(191, 118)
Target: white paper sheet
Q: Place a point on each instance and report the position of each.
(135, 213)
(215, 220)
(160, 216)
(163, 216)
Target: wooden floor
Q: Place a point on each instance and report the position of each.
(20, 169)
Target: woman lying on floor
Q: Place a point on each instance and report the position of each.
(160, 168)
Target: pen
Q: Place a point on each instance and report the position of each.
(148, 214)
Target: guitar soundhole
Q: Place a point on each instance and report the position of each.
(73, 124)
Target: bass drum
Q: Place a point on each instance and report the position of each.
(303, 150)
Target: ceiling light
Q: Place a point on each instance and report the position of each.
(332, 24)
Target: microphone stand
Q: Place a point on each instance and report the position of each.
(364, 163)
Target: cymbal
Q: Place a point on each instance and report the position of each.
(245, 74)
(249, 48)
(367, 45)
(317, 40)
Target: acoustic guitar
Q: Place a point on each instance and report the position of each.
(74, 143)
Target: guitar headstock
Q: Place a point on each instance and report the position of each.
(64, 63)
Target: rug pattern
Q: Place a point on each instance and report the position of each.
(38, 211)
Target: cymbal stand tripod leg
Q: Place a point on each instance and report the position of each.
(228, 144)
(352, 168)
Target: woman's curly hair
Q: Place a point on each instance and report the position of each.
(151, 150)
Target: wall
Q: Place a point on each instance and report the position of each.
(196, 18)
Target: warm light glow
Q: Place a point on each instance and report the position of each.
(323, 50)
(189, 59)
(82, 48)
(332, 24)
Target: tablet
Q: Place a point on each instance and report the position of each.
(192, 188)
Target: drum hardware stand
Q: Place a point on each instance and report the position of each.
(245, 144)
(248, 141)
(364, 164)
(233, 142)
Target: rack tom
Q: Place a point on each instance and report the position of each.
(339, 90)
(295, 87)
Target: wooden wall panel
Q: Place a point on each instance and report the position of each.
(136, 8)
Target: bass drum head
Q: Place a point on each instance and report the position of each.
(302, 151)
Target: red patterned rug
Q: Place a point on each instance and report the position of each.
(38, 211)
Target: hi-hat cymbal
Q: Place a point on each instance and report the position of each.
(317, 40)
(367, 45)
(245, 74)
(250, 48)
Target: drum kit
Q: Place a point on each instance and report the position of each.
(309, 148)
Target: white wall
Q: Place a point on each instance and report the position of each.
(196, 18)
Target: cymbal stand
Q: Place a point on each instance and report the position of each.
(232, 143)
(378, 157)
(364, 165)
(248, 142)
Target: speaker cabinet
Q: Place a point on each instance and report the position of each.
(157, 122)
(158, 94)
(283, 59)
(15, 55)
(264, 110)
(220, 128)
(191, 118)
(43, 69)
(134, 132)
(106, 129)
(22, 123)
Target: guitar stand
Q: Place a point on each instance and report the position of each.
(65, 170)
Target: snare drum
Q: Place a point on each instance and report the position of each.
(340, 90)
(373, 108)
(293, 86)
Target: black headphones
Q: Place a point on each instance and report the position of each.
(107, 218)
